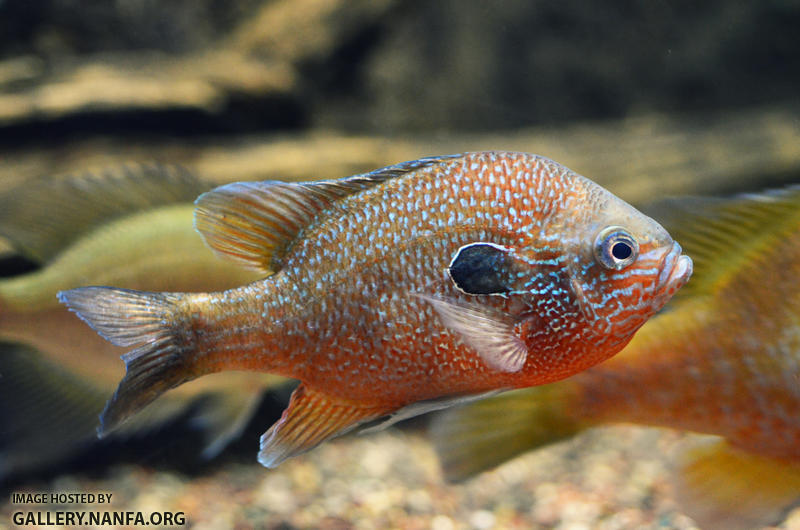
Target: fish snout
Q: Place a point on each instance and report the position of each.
(676, 268)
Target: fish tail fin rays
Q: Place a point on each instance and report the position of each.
(479, 436)
(310, 419)
(720, 486)
(135, 318)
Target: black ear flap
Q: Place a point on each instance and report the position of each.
(481, 268)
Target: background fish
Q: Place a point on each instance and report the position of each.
(724, 360)
(369, 307)
(132, 228)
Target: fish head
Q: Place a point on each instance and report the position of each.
(581, 275)
(624, 267)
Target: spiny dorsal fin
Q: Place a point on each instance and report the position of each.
(723, 235)
(254, 223)
(43, 216)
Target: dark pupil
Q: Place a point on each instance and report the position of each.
(621, 250)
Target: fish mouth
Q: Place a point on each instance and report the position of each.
(676, 268)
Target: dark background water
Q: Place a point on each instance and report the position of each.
(404, 67)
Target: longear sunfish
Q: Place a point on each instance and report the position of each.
(723, 360)
(374, 305)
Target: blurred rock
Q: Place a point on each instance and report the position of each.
(193, 68)
(145, 83)
(179, 80)
(302, 30)
(58, 28)
(453, 65)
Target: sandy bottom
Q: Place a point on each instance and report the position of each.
(611, 478)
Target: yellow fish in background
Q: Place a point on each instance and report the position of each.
(723, 360)
(132, 228)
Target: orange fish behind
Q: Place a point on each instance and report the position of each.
(399, 291)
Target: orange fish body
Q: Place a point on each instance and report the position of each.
(407, 288)
(724, 360)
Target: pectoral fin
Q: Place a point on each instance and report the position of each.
(720, 486)
(310, 419)
(490, 333)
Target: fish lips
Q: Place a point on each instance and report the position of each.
(675, 270)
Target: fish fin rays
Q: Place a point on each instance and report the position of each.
(43, 216)
(490, 333)
(423, 407)
(133, 318)
(311, 418)
(724, 236)
(479, 436)
(720, 486)
(255, 223)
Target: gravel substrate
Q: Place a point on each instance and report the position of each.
(611, 478)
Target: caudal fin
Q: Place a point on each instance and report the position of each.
(150, 321)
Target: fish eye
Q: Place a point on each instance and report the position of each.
(615, 248)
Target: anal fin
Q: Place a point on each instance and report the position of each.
(311, 418)
(720, 486)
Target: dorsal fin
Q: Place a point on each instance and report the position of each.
(254, 223)
(723, 235)
(43, 216)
